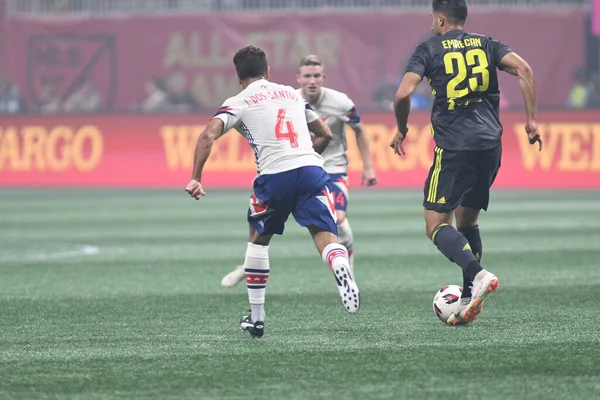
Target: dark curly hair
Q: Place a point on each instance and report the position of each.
(250, 62)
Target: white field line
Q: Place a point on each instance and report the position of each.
(78, 251)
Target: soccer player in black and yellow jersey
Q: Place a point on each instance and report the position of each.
(462, 69)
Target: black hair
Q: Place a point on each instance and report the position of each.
(454, 10)
(250, 62)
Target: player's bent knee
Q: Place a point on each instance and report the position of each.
(434, 219)
(431, 234)
(466, 218)
(463, 228)
(256, 238)
(322, 238)
(466, 224)
(429, 230)
(252, 234)
(262, 240)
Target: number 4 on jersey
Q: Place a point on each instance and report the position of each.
(289, 133)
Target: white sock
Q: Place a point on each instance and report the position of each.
(256, 266)
(336, 255)
(346, 238)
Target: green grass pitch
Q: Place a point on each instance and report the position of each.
(113, 294)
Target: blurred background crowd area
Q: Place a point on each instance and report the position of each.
(174, 56)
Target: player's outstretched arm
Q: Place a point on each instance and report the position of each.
(213, 130)
(409, 84)
(362, 142)
(322, 133)
(517, 66)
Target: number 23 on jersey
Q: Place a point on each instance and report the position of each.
(457, 64)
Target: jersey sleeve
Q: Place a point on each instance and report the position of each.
(311, 115)
(348, 110)
(353, 116)
(498, 50)
(230, 113)
(418, 62)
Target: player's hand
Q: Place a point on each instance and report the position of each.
(368, 177)
(194, 189)
(397, 143)
(533, 134)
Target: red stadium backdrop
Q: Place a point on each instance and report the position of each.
(156, 151)
(361, 51)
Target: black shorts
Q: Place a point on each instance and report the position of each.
(461, 178)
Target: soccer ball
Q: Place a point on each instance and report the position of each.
(446, 300)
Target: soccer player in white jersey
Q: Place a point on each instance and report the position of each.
(276, 122)
(337, 110)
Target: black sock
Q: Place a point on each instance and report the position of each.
(472, 235)
(456, 248)
(467, 283)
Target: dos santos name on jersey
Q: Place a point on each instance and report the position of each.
(272, 95)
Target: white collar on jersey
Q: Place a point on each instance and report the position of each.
(257, 82)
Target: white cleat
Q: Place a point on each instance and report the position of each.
(234, 277)
(484, 283)
(347, 288)
(351, 259)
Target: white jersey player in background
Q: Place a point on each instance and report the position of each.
(337, 110)
(276, 122)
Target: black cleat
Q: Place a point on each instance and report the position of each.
(255, 329)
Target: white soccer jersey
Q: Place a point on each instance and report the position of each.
(337, 110)
(273, 118)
